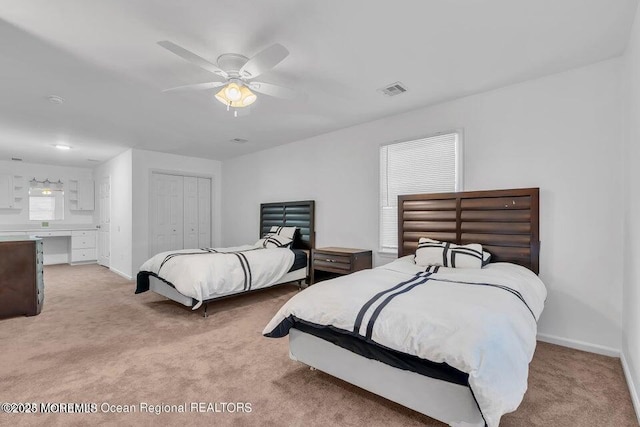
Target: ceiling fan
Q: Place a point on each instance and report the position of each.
(236, 73)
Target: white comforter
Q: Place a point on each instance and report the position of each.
(487, 332)
(204, 274)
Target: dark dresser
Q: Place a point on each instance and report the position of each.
(21, 276)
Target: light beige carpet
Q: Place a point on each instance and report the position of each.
(97, 342)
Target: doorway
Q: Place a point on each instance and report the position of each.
(104, 221)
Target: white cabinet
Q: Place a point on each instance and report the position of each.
(11, 191)
(6, 191)
(81, 195)
(83, 246)
(19, 192)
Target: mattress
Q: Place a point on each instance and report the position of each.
(440, 371)
(300, 260)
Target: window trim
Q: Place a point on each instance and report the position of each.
(459, 173)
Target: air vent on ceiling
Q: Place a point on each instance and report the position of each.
(393, 89)
(239, 140)
(55, 99)
(16, 159)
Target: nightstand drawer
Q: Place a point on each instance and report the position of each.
(330, 264)
(327, 257)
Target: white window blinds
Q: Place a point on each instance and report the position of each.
(428, 165)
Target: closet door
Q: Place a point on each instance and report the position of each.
(167, 213)
(204, 212)
(191, 213)
(176, 212)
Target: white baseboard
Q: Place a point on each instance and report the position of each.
(579, 345)
(120, 273)
(632, 385)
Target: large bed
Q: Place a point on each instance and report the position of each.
(451, 343)
(196, 277)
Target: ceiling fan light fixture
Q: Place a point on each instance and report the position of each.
(249, 99)
(237, 96)
(232, 92)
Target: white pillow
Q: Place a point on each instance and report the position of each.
(274, 241)
(288, 232)
(446, 254)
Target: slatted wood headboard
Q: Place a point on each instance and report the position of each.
(291, 214)
(505, 222)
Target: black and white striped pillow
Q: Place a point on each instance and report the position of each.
(288, 232)
(486, 258)
(274, 241)
(446, 254)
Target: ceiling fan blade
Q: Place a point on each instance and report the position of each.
(273, 90)
(264, 61)
(192, 57)
(197, 86)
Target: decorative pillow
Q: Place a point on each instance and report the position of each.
(486, 258)
(274, 241)
(446, 254)
(287, 232)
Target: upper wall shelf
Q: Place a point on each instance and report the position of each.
(81, 195)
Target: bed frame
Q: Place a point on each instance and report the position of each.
(291, 214)
(300, 214)
(506, 222)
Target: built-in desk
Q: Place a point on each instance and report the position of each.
(63, 246)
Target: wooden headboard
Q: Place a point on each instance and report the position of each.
(505, 222)
(291, 214)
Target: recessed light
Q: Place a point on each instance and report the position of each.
(55, 99)
(62, 147)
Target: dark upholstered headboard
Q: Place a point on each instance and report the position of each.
(505, 222)
(290, 214)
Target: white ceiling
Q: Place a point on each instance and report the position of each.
(102, 57)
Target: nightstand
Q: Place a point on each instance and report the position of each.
(333, 261)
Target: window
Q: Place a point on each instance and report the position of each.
(46, 201)
(428, 165)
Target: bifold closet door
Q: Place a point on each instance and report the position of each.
(167, 213)
(191, 212)
(181, 212)
(204, 212)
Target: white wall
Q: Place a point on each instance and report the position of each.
(631, 290)
(561, 133)
(15, 219)
(144, 162)
(119, 169)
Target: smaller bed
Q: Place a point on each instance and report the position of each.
(195, 277)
